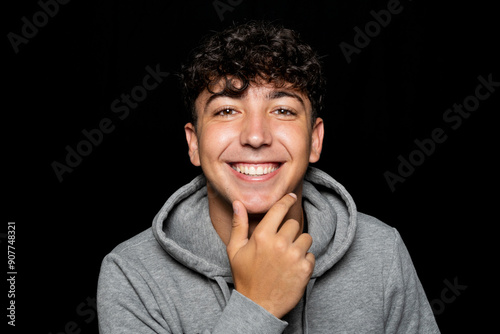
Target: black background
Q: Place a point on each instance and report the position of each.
(396, 90)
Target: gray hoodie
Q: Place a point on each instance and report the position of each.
(175, 277)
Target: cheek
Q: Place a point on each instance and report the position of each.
(214, 140)
(296, 139)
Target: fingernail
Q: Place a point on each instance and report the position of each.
(293, 195)
(235, 208)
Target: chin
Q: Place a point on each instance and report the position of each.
(260, 205)
(257, 210)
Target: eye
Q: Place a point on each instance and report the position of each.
(284, 112)
(225, 112)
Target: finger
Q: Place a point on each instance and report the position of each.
(290, 229)
(311, 258)
(274, 217)
(304, 242)
(239, 229)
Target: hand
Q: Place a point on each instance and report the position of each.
(272, 268)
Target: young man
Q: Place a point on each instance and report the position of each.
(260, 242)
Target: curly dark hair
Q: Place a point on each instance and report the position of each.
(253, 52)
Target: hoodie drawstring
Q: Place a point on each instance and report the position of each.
(305, 326)
(225, 290)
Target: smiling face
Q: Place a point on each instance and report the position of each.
(255, 147)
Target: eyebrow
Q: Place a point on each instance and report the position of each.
(277, 94)
(283, 93)
(218, 95)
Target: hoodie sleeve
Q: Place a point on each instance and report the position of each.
(126, 304)
(406, 308)
(241, 315)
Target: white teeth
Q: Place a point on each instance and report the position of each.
(252, 171)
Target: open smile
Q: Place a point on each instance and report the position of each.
(256, 170)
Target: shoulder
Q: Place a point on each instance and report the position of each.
(138, 248)
(369, 227)
(375, 239)
(138, 258)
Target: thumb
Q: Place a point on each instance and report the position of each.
(239, 229)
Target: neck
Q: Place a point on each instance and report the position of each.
(221, 215)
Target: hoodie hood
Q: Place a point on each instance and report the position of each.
(184, 229)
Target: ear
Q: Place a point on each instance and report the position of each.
(317, 135)
(192, 141)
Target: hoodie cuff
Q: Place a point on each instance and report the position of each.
(242, 315)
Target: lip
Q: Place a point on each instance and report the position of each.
(256, 178)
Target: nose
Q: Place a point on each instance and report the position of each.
(256, 130)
